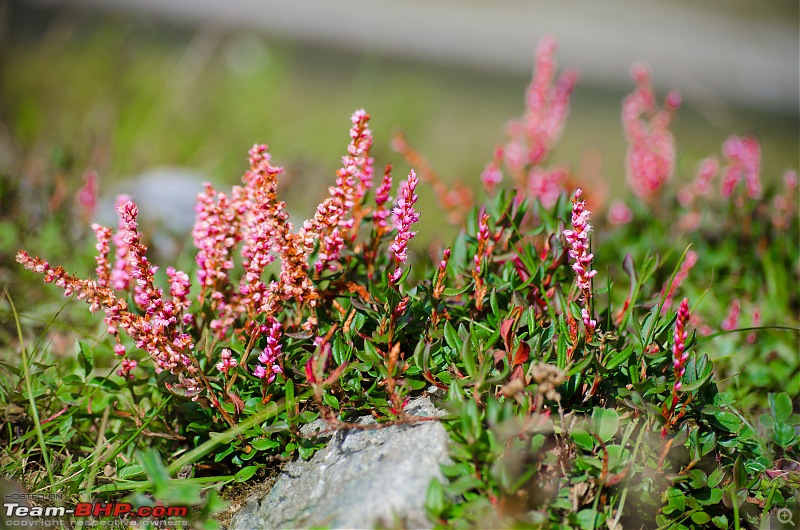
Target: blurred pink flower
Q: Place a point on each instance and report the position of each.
(743, 157)
(619, 214)
(651, 146)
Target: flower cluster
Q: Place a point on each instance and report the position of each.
(679, 359)
(578, 240)
(731, 321)
(381, 214)
(268, 359)
(352, 182)
(216, 233)
(87, 196)
(547, 105)
(121, 275)
(743, 157)
(103, 270)
(533, 136)
(405, 217)
(784, 203)
(227, 362)
(651, 146)
(679, 354)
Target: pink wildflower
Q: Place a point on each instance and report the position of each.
(127, 367)
(783, 203)
(405, 218)
(679, 353)
(87, 197)
(743, 157)
(121, 275)
(103, 269)
(381, 198)
(547, 104)
(227, 361)
(578, 239)
(732, 320)
(269, 366)
(216, 232)
(358, 162)
(546, 185)
(708, 168)
(751, 337)
(619, 214)
(651, 149)
(483, 240)
(352, 182)
(492, 175)
(146, 295)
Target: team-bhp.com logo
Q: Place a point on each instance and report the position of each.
(18, 512)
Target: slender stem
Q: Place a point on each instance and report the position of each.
(34, 411)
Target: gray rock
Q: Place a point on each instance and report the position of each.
(361, 479)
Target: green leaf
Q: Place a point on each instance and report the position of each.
(130, 471)
(331, 401)
(697, 479)
(784, 434)
(698, 372)
(85, 358)
(617, 358)
(150, 461)
(676, 498)
(605, 423)
(582, 439)
(583, 363)
(468, 358)
(782, 407)
(452, 291)
(589, 519)
(715, 478)
(434, 498)
(700, 517)
(263, 444)
(451, 337)
(245, 473)
(720, 521)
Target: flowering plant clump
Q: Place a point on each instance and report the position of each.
(616, 423)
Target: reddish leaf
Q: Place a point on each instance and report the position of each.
(522, 355)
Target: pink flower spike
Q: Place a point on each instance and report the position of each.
(227, 361)
(732, 320)
(651, 146)
(405, 217)
(268, 358)
(578, 240)
(679, 355)
(103, 269)
(87, 197)
(743, 157)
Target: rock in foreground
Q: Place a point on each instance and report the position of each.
(361, 479)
